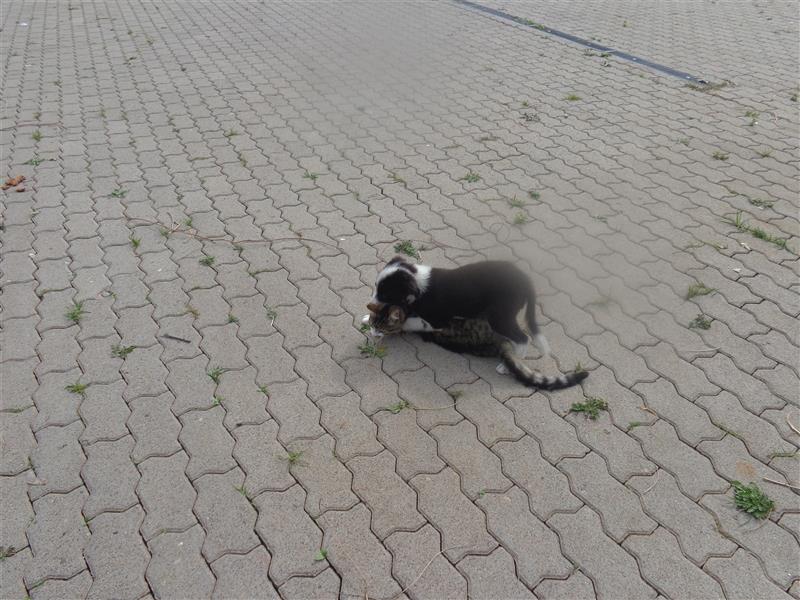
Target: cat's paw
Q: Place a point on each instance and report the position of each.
(502, 369)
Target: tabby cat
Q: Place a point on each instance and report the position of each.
(471, 336)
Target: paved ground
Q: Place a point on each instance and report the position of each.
(261, 453)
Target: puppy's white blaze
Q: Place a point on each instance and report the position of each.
(422, 276)
(542, 344)
(386, 271)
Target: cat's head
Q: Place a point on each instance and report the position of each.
(386, 318)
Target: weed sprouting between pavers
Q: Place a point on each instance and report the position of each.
(752, 500)
(698, 289)
(591, 408)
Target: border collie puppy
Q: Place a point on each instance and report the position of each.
(493, 290)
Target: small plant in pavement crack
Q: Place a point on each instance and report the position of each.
(407, 247)
(77, 388)
(752, 500)
(591, 408)
(698, 289)
(118, 351)
(75, 314)
(215, 374)
(372, 349)
(700, 322)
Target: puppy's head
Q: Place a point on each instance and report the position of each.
(397, 283)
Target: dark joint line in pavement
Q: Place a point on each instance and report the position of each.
(587, 43)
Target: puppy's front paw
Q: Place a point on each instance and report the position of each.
(502, 369)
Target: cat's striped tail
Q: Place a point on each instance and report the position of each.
(536, 380)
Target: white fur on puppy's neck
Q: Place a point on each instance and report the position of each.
(422, 276)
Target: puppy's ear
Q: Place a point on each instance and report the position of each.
(396, 260)
(374, 307)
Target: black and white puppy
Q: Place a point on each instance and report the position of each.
(494, 290)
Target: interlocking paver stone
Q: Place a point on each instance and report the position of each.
(224, 511)
(461, 523)
(742, 577)
(391, 501)
(243, 576)
(411, 553)
(291, 536)
(365, 565)
(177, 568)
(509, 519)
(664, 566)
(117, 555)
(614, 572)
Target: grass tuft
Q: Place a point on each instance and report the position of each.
(752, 500)
(118, 351)
(77, 388)
(396, 408)
(372, 349)
(75, 314)
(407, 247)
(215, 374)
(700, 322)
(591, 408)
(698, 289)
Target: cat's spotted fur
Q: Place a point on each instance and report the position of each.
(472, 336)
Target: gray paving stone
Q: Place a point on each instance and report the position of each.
(166, 495)
(509, 519)
(117, 555)
(760, 437)
(477, 467)
(104, 412)
(296, 414)
(613, 571)
(741, 576)
(691, 422)
(12, 568)
(556, 437)
(411, 552)
(461, 523)
(575, 587)
(207, 442)
(414, 449)
(57, 531)
(694, 527)
(154, 428)
(692, 471)
(324, 586)
(665, 567)
(57, 460)
(263, 459)
(177, 569)
(291, 536)
(225, 512)
(55, 589)
(493, 576)
(392, 503)
(326, 481)
(772, 544)
(353, 431)
(110, 477)
(365, 565)
(243, 576)
(14, 497)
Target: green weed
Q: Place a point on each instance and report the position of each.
(752, 500)
(591, 408)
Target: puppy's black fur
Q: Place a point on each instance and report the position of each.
(492, 290)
